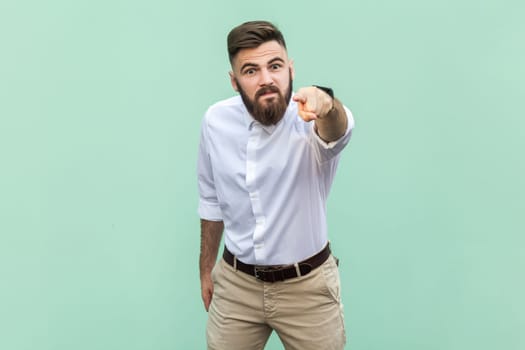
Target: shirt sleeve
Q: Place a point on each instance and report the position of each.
(328, 150)
(209, 208)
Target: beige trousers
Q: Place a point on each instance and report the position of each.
(306, 312)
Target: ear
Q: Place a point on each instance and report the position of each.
(292, 70)
(233, 81)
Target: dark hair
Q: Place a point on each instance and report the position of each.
(252, 34)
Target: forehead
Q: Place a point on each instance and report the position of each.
(261, 54)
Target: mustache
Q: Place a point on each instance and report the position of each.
(265, 90)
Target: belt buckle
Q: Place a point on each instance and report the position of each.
(258, 270)
(268, 273)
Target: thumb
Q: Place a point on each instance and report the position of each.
(299, 98)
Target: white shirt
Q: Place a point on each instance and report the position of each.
(268, 184)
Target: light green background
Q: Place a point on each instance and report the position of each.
(100, 107)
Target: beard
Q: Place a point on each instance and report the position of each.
(271, 111)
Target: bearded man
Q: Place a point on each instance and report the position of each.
(267, 160)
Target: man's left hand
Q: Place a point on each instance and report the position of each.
(313, 103)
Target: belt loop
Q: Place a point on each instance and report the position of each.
(297, 270)
(235, 263)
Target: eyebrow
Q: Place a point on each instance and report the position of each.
(276, 59)
(253, 65)
(246, 65)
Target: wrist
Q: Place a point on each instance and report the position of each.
(327, 90)
(206, 276)
(330, 93)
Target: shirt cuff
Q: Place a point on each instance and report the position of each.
(209, 211)
(332, 144)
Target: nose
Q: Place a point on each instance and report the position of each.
(265, 78)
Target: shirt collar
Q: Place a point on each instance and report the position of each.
(268, 128)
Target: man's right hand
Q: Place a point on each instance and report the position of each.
(206, 290)
(211, 233)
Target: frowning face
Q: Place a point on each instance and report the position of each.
(263, 77)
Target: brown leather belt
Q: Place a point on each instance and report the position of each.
(280, 272)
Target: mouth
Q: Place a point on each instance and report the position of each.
(267, 94)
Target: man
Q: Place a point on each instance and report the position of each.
(267, 160)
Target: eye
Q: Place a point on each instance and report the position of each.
(250, 71)
(275, 66)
